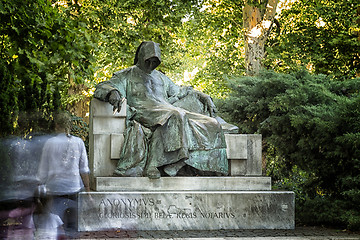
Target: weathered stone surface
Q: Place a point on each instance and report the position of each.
(236, 146)
(104, 109)
(193, 210)
(105, 125)
(183, 184)
(100, 152)
(237, 167)
(244, 152)
(254, 155)
(106, 129)
(117, 142)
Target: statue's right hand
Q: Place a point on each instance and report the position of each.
(115, 100)
(114, 97)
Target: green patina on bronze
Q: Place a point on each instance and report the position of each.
(168, 126)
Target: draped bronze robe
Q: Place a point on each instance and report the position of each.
(166, 123)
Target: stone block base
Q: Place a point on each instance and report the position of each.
(190, 210)
(130, 184)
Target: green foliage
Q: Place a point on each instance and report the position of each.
(80, 129)
(330, 212)
(120, 27)
(319, 35)
(205, 37)
(314, 123)
(213, 43)
(7, 99)
(42, 49)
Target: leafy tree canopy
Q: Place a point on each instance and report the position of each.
(322, 36)
(43, 48)
(216, 49)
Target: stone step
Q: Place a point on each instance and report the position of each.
(193, 210)
(183, 184)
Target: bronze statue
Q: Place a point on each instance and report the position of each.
(168, 126)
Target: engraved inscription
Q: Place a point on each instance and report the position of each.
(125, 208)
(150, 208)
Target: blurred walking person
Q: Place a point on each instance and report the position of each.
(64, 171)
(48, 225)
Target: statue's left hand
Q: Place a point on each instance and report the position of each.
(208, 104)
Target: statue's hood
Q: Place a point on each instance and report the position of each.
(145, 51)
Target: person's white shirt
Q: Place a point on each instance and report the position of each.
(63, 159)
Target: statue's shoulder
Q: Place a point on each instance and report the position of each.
(123, 72)
(161, 75)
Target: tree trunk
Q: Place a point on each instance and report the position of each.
(257, 23)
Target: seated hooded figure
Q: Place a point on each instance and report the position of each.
(168, 126)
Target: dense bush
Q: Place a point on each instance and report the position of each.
(311, 127)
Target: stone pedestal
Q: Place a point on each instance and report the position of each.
(186, 210)
(243, 200)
